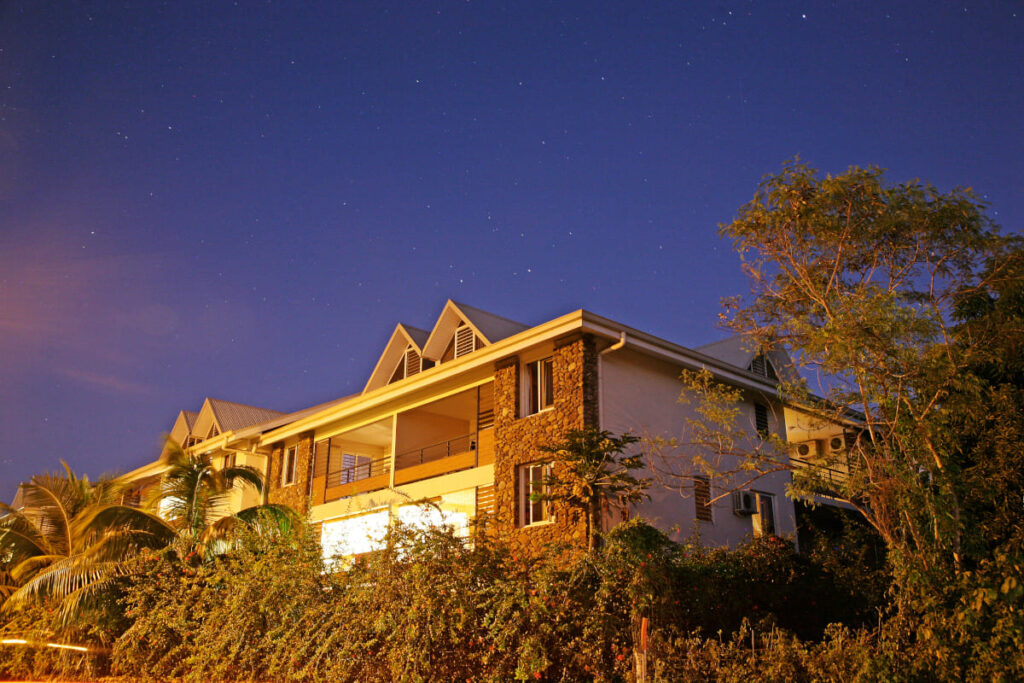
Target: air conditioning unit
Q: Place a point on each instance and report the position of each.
(836, 445)
(807, 450)
(744, 502)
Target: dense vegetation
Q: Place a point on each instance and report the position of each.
(431, 607)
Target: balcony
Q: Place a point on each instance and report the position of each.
(461, 453)
(448, 435)
(362, 476)
(830, 479)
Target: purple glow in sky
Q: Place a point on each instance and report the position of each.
(240, 200)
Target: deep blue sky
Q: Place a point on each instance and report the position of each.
(240, 200)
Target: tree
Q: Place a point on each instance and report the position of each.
(592, 466)
(71, 539)
(194, 496)
(865, 283)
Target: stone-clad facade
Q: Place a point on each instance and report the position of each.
(441, 419)
(518, 438)
(295, 495)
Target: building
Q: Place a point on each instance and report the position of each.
(455, 416)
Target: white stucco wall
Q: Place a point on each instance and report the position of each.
(641, 394)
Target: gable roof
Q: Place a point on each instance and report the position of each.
(492, 328)
(231, 416)
(401, 339)
(488, 326)
(736, 350)
(739, 350)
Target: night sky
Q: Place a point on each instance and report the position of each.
(241, 200)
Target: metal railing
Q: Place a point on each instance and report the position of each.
(829, 474)
(359, 471)
(437, 451)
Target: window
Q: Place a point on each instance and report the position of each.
(288, 466)
(532, 480)
(354, 468)
(764, 519)
(761, 419)
(230, 460)
(540, 385)
(702, 498)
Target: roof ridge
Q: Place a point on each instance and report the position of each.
(461, 305)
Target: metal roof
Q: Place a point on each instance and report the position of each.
(493, 327)
(232, 416)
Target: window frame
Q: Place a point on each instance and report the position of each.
(539, 386)
(762, 410)
(531, 476)
(289, 462)
(757, 519)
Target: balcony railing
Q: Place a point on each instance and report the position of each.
(437, 451)
(831, 476)
(444, 457)
(368, 469)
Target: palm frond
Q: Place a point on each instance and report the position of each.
(30, 566)
(20, 537)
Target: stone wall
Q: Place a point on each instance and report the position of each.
(518, 437)
(296, 495)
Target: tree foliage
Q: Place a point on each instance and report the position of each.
(195, 497)
(70, 539)
(593, 466)
(902, 304)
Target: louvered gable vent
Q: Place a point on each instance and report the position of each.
(409, 365)
(464, 341)
(762, 366)
(412, 362)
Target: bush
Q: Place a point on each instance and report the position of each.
(431, 607)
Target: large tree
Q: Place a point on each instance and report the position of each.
(882, 293)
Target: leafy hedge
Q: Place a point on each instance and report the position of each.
(429, 607)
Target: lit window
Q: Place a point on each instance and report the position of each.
(764, 519)
(354, 468)
(702, 498)
(288, 467)
(533, 482)
(540, 385)
(230, 460)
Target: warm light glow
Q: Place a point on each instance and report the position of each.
(78, 648)
(14, 641)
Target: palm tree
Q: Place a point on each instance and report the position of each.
(74, 540)
(194, 497)
(71, 537)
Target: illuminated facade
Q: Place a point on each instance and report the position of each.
(454, 416)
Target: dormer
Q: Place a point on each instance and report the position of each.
(461, 330)
(402, 357)
(762, 365)
(743, 352)
(217, 416)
